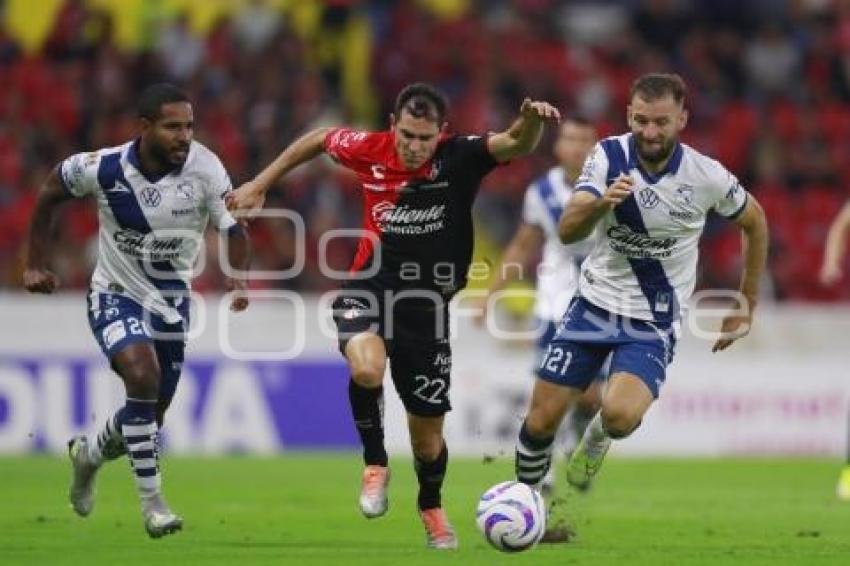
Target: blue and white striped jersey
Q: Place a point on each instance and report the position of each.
(151, 229)
(644, 262)
(557, 274)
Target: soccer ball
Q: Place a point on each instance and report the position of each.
(511, 516)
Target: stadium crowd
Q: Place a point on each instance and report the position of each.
(769, 97)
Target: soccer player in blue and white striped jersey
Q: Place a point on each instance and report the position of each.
(646, 197)
(155, 196)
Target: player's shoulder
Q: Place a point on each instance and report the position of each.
(354, 138)
(702, 166)
(614, 140)
(204, 165)
(202, 157)
(613, 149)
(94, 156)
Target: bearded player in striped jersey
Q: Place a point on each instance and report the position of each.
(155, 196)
(646, 196)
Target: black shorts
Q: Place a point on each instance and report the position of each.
(417, 343)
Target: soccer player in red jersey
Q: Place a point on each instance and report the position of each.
(419, 183)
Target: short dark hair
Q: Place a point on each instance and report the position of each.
(154, 96)
(422, 100)
(653, 86)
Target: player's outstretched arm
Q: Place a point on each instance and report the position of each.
(526, 243)
(585, 209)
(37, 277)
(836, 247)
(524, 134)
(251, 195)
(753, 223)
(239, 260)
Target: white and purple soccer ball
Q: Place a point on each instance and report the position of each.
(511, 516)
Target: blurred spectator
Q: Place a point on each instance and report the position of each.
(255, 26)
(769, 96)
(179, 49)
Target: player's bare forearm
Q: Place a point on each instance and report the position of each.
(300, 151)
(836, 247)
(239, 249)
(580, 216)
(522, 137)
(585, 209)
(755, 241)
(51, 195)
(239, 254)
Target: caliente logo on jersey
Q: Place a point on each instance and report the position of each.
(147, 245)
(624, 240)
(405, 219)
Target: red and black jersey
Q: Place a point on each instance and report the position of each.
(418, 223)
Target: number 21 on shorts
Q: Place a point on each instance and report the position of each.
(557, 359)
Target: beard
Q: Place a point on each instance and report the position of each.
(658, 154)
(165, 158)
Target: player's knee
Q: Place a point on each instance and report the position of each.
(141, 380)
(367, 375)
(427, 448)
(619, 422)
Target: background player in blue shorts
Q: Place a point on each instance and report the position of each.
(557, 273)
(155, 196)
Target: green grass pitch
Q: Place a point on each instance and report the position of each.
(301, 509)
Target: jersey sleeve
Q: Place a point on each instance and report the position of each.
(472, 151)
(593, 173)
(731, 196)
(533, 212)
(217, 187)
(346, 146)
(78, 173)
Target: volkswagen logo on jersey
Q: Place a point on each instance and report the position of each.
(648, 198)
(150, 197)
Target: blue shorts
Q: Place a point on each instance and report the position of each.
(118, 321)
(542, 347)
(588, 334)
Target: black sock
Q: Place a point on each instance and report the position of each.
(367, 410)
(533, 457)
(430, 476)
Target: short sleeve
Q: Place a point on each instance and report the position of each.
(732, 197)
(78, 173)
(594, 172)
(472, 151)
(533, 212)
(217, 188)
(346, 145)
